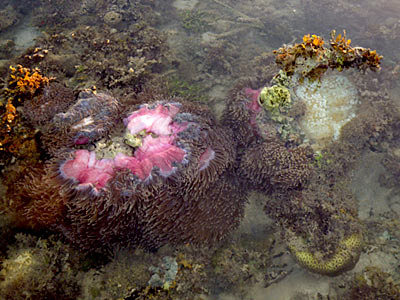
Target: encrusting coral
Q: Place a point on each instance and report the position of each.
(274, 97)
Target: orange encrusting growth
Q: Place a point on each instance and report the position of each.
(23, 84)
(27, 80)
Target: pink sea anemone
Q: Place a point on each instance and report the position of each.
(168, 182)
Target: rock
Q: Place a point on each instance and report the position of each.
(112, 18)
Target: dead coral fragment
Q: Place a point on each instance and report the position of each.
(311, 58)
(343, 55)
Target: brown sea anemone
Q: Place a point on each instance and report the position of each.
(54, 99)
(37, 199)
(90, 118)
(271, 165)
(241, 111)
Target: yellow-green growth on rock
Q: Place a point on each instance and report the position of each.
(344, 258)
(134, 140)
(274, 97)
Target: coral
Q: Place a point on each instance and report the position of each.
(320, 224)
(271, 165)
(39, 269)
(297, 107)
(279, 118)
(343, 259)
(345, 56)
(9, 115)
(172, 186)
(274, 97)
(119, 61)
(22, 85)
(34, 55)
(305, 192)
(330, 102)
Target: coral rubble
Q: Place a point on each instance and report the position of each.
(38, 269)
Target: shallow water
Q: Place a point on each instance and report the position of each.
(199, 50)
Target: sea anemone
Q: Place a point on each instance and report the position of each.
(241, 111)
(163, 177)
(54, 99)
(90, 118)
(271, 165)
